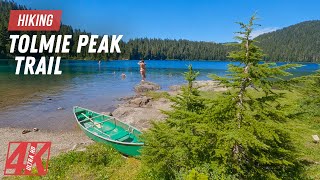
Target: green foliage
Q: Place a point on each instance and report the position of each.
(252, 141)
(157, 94)
(300, 128)
(98, 161)
(93, 163)
(309, 86)
(173, 145)
(160, 49)
(194, 175)
(190, 77)
(237, 134)
(189, 100)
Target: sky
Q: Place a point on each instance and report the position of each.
(197, 20)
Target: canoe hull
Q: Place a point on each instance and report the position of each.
(109, 130)
(129, 150)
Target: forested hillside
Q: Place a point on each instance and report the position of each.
(299, 42)
(174, 49)
(133, 49)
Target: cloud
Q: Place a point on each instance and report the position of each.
(258, 32)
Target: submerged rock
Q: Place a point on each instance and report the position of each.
(145, 86)
(127, 98)
(107, 113)
(25, 131)
(175, 87)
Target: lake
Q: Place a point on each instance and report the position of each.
(46, 101)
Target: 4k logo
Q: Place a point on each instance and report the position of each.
(27, 158)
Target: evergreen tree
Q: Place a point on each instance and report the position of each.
(189, 100)
(239, 134)
(253, 143)
(172, 146)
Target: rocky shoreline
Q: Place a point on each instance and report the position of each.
(141, 109)
(138, 110)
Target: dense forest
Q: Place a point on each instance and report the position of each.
(142, 48)
(299, 42)
(295, 43)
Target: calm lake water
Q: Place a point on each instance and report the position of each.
(34, 101)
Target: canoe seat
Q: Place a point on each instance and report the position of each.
(108, 126)
(127, 138)
(105, 130)
(119, 136)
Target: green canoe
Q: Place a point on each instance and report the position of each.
(109, 130)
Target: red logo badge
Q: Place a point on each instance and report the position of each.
(34, 20)
(27, 158)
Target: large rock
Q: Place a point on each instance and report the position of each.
(175, 87)
(138, 102)
(145, 86)
(207, 85)
(140, 115)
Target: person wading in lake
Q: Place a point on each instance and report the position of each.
(123, 76)
(142, 70)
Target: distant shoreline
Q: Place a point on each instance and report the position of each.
(204, 60)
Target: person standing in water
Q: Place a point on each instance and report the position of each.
(123, 75)
(142, 70)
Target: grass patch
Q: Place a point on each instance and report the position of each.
(98, 161)
(301, 131)
(157, 94)
(129, 170)
(93, 163)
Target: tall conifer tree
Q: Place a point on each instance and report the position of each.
(238, 134)
(253, 142)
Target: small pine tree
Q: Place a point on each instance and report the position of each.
(252, 141)
(172, 146)
(189, 99)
